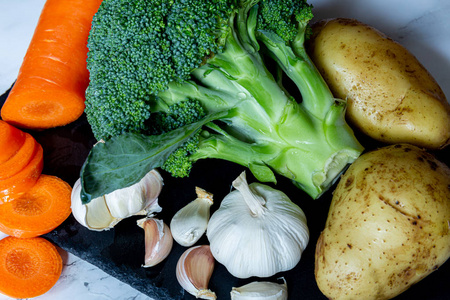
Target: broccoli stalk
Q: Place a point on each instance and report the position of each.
(233, 106)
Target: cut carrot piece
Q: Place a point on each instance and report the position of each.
(21, 159)
(18, 184)
(11, 139)
(50, 88)
(43, 208)
(28, 267)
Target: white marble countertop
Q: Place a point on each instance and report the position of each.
(421, 26)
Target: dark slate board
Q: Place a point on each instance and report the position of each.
(120, 251)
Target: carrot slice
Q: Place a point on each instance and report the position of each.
(43, 208)
(11, 139)
(28, 267)
(16, 185)
(49, 90)
(21, 159)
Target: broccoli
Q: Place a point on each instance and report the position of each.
(185, 80)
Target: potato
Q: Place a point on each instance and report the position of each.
(387, 227)
(391, 97)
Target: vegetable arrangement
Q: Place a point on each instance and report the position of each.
(52, 80)
(49, 92)
(233, 95)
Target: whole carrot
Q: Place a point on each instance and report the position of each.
(50, 87)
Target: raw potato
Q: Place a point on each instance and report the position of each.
(387, 227)
(391, 96)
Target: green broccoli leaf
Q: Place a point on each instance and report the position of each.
(125, 159)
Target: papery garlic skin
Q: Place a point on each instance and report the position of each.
(104, 212)
(260, 291)
(194, 270)
(262, 239)
(139, 198)
(95, 215)
(158, 240)
(190, 222)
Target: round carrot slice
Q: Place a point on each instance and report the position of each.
(18, 184)
(28, 267)
(11, 139)
(20, 159)
(40, 210)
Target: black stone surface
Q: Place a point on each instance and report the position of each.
(120, 251)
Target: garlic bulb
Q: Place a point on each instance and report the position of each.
(257, 231)
(105, 212)
(194, 269)
(158, 240)
(260, 291)
(190, 222)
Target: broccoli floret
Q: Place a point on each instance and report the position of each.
(179, 163)
(225, 79)
(136, 47)
(276, 16)
(175, 116)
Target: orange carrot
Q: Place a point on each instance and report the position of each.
(49, 90)
(20, 159)
(16, 185)
(11, 139)
(28, 267)
(43, 208)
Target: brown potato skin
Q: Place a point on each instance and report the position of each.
(387, 227)
(391, 96)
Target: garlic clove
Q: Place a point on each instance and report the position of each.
(190, 222)
(95, 215)
(139, 198)
(194, 270)
(260, 291)
(158, 240)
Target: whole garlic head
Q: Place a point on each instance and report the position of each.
(257, 231)
(258, 290)
(189, 223)
(104, 212)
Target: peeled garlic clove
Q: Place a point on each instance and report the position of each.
(189, 223)
(194, 270)
(139, 198)
(260, 291)
(94, 215)
(158, 240)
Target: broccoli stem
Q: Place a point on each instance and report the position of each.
(295, 62)
(246, 67)
(265, 129)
